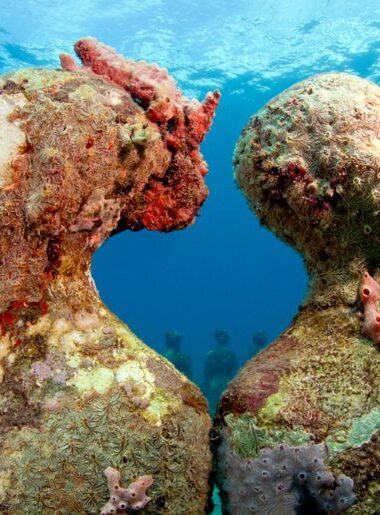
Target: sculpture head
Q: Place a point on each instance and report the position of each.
(87, 153)
(309, 165)
(259, 338)
(222, 338)
(173, 340)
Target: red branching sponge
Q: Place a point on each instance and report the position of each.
(370, 296)
(152, 87)
(182, 122)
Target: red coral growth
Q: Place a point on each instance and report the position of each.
(320, 207)
(7, 320)
(173, 203)
(18, 308)
(295, 173)
(161, 209)
(339, 180)
(286, 176)
(370, 296)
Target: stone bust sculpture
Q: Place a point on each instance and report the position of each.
(86, 152)
(309, 165)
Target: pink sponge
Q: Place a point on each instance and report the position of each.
(125, 500)
(370, 295)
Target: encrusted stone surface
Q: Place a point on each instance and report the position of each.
(309, 164)
(79, 393)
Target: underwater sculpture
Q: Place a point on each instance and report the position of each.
(84, 153)
(298, 430)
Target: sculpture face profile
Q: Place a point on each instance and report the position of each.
(299, 427)
(86, 152)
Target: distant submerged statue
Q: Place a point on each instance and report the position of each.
(298, 430)
(175, 354)
(86, 408)
(220, 367)
(258, 342)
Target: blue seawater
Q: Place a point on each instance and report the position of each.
(225, 271)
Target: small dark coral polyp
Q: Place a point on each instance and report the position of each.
(171, 125)
(142, 102)
(295, 173)
(90, 142)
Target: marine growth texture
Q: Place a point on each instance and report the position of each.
(309, 165)
(86, 152)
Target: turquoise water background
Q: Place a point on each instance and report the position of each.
(225, 271)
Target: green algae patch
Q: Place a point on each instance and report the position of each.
(34, 80)
(361, 432)
(246, 438)
(275, 403)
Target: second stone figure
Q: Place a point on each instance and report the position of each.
(298, 430)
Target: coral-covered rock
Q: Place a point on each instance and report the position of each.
(80, 159)
(309, 164)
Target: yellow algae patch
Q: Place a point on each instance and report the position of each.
(133, 372)
(42, 326)
(5, 484)
(99, 380)
(4, 353)
(74, 360)
(162, 404)
(72, 339)
(84, 92)
(140, 349)
(61, 326)
(272, 406)
(277, 401)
